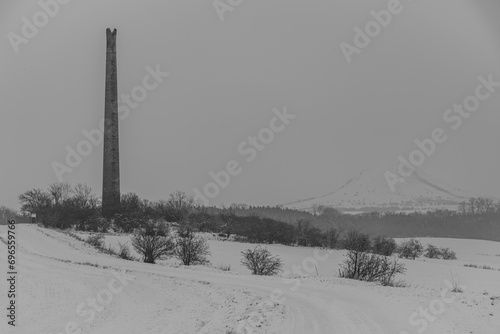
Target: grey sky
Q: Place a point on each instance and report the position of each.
(226, 78)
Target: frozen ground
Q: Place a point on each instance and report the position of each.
(63, 283)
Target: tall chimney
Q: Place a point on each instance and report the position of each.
(111, 159)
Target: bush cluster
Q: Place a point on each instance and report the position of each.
(433, 252)
(371, 268)
(96, 240)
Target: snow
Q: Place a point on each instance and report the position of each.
(58, 273)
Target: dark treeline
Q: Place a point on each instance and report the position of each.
(65, 206)
(447, 224)
(477, 218)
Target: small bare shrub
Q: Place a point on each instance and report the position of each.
(455, 282)
(108, 250)
(448, 254)
(261, 262)
(76, 236)
(224, 267)
(153, 242)
(239, 238)
(94, 224)
(124, 251)
(398, 284)
(371, 268)
(191, 249)
(96, 240)
(432, 252)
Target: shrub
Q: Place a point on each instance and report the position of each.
(357, 241)
(153, 242)
(371, 268)
(384, 246)
(94, 224)
(448, 254)
(224, 267)
(124, 251)
(410, 249)
(96, 240)
(261, 262)
(398, 284)
(456, 286)
(239, 238)
(76, 236)
(127, 223)
(432, 252)
(479, 267)
(131, 203)
(108, 250)
(191, 249)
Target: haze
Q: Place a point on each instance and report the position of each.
(227, 77)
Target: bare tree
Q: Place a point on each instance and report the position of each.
(82, 193)
(34, 201)
(462, 208)
(316, 209)
(332, 236)
(487, 204)
(303, 225)
(480, 205)
(180, 205)
(60, 192)
(180, 200)
(472, 205)
(84, 198)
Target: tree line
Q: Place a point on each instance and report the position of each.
(63, 206)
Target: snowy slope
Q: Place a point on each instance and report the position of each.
(369, 190)
(55, 277)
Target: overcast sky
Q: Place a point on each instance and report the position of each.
(226, 77)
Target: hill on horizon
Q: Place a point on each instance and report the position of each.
(370, 191)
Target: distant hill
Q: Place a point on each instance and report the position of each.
(369, 191)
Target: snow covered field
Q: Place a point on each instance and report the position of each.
(66, 286)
